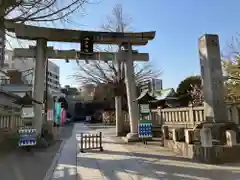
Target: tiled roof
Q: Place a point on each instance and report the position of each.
(164, 93)
(145, 93)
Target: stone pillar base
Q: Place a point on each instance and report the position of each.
(231, 138)
(188, 136)
(174, 135)
(119, 134)
(131, 137)
(206, 137)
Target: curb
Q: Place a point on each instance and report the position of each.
(49, 173)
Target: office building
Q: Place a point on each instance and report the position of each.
(152, 85)
(26, 66)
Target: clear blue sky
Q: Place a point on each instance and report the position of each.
(178, 25)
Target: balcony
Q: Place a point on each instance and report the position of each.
(4, 81)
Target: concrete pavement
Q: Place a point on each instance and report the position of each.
(131, 162)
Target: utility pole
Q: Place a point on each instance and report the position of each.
(46, 91)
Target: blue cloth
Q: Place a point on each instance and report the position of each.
(58, 113)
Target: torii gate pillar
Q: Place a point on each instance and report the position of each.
(131, 96)
(38, 82)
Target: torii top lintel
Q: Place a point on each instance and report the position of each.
(66, 35)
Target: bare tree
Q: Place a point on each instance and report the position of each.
(99, 72)
(112, 73)
(27, 11)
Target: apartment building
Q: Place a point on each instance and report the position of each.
(152, 85)
(26, 67)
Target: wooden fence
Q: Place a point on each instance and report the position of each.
(186, 117)
(91, 141)
(10, 119)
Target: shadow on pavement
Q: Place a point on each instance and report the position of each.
(66, 131)
(143, 155)
(22, 165)
(140, 163)
(165, 167)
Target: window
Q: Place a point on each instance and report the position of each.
(6, 57)
(6, 65)
(5, 81)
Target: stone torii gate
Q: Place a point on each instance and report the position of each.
(42, 35)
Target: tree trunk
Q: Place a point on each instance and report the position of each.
(2, 41)
(118, 114)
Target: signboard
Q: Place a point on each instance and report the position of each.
(50, 116)
(88, 118)
(27, 136)
(87, 44)
(144, 109)
(145, 123)
(145, 129)
(27, 112)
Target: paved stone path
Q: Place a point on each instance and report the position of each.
(131, 162)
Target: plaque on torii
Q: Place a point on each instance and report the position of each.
(87, 45)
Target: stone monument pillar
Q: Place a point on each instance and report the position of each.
(131, 96)
(211, 71)
(206, 137)
(38, 84)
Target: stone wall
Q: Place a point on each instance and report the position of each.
(215, 155)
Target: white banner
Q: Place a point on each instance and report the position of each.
(50, 115)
